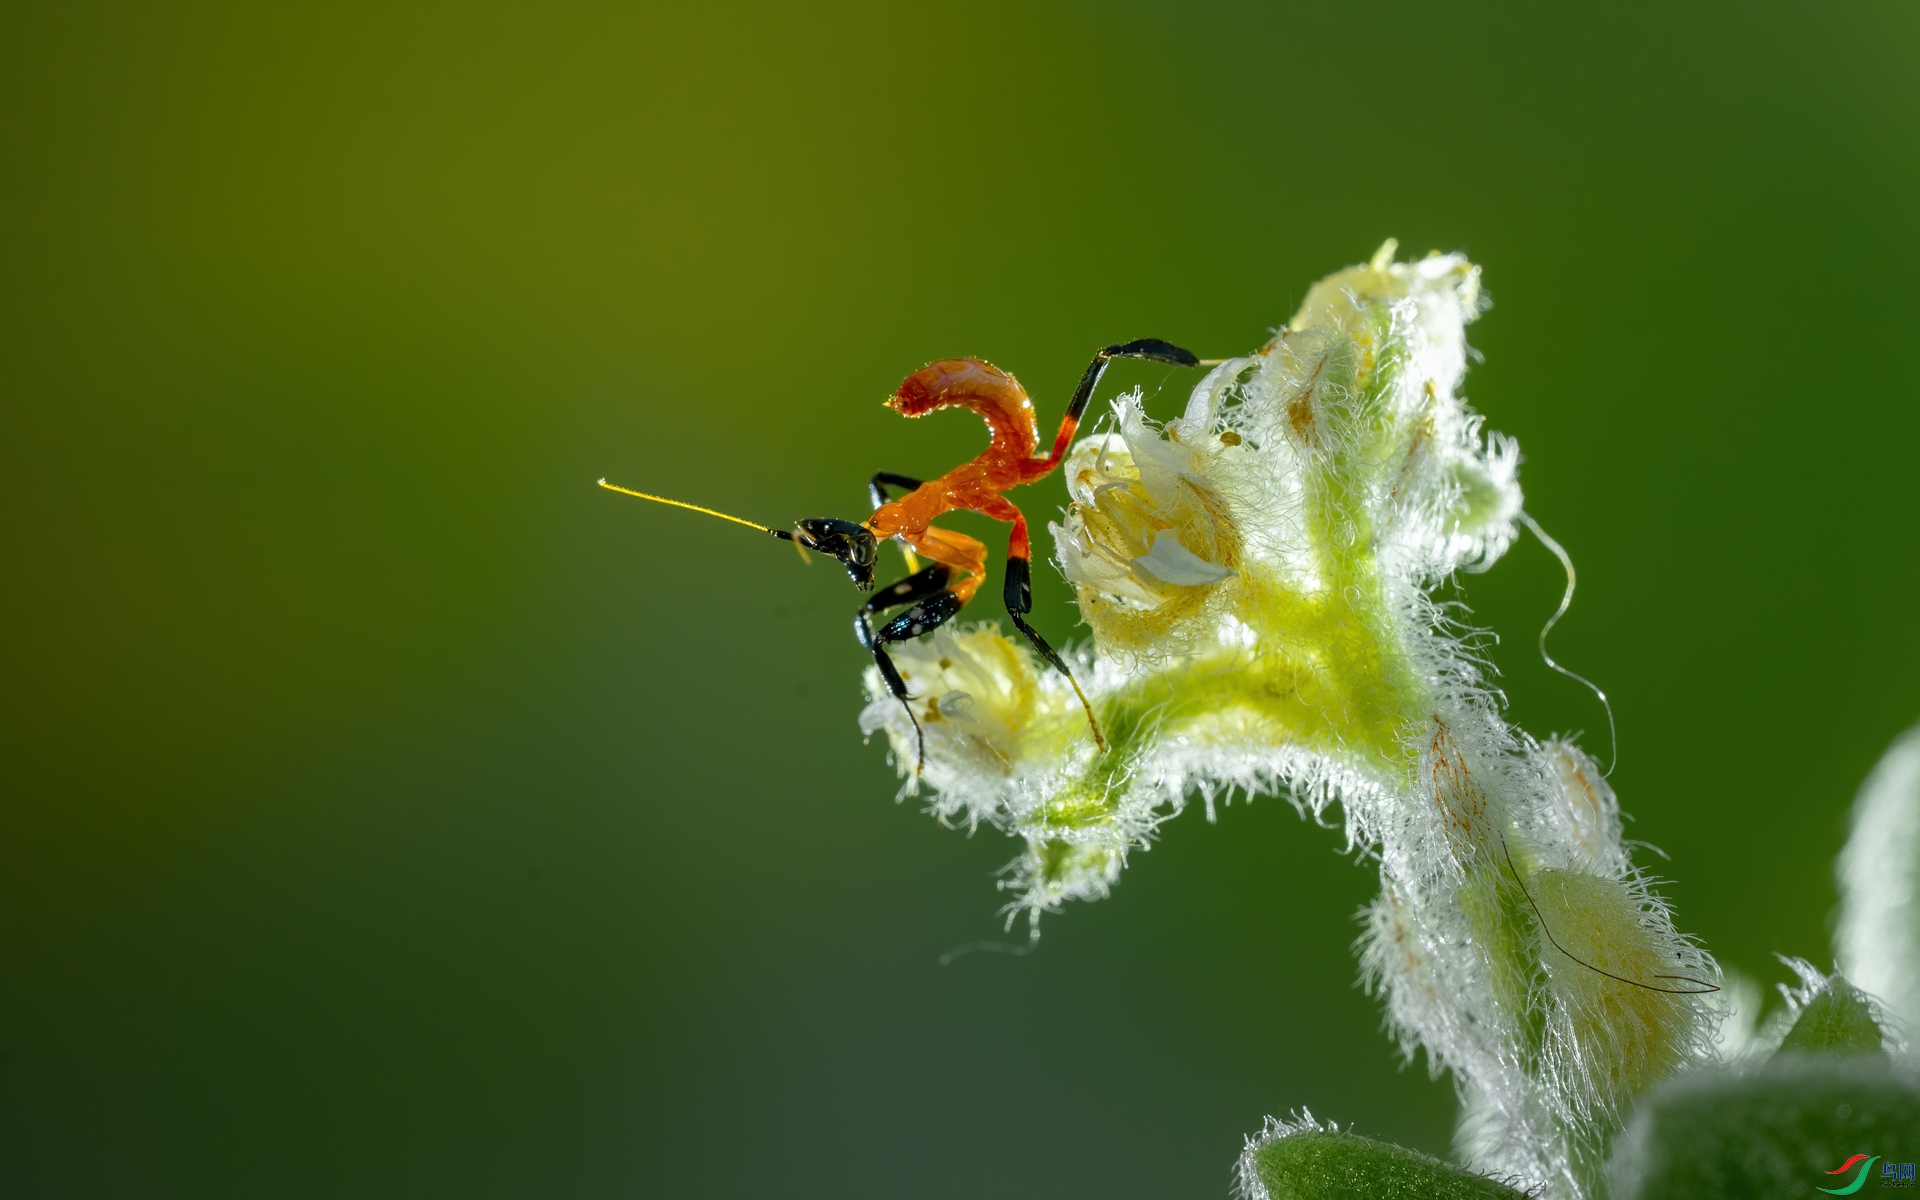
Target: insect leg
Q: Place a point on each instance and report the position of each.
(876, 487)
(933, 604)
(1150, 349)
(1019, 598)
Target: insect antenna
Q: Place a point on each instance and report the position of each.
(783, 534)
(613, 487)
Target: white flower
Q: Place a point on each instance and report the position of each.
(985, 707)
(1258, 576)
(1151, 535)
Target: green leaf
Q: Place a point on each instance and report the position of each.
(1837, 1020)
(1313, 1164)
(1776, 1131)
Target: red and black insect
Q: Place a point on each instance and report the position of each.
(932, 595)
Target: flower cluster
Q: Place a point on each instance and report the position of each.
(1258, 575)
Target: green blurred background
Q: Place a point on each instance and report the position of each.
(388, 812)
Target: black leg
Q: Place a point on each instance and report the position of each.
(932, 606)
(1019, 598)
(1150, 349)
(876, 487)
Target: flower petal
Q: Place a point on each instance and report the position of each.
(1170, 562)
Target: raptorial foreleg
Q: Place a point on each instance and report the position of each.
(932, 597)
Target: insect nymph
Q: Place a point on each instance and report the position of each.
(932, 595)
